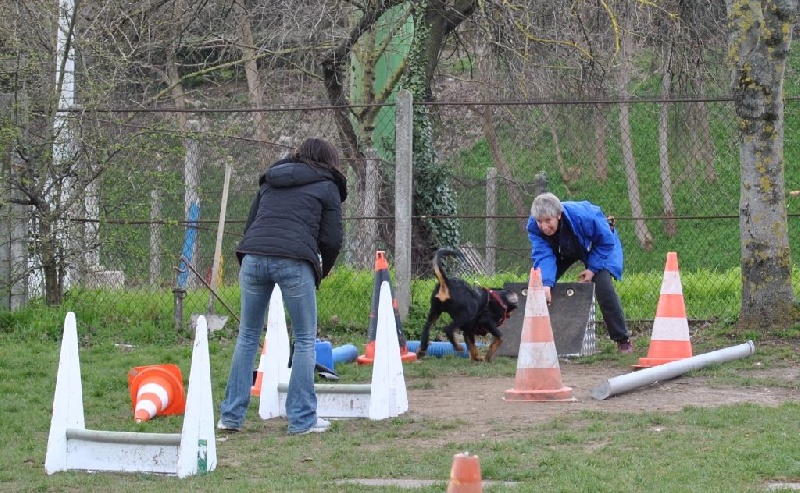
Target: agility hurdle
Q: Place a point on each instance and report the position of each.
(71, 446)
(385, 397)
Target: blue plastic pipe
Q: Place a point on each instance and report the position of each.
(345, 354)
(438, 348)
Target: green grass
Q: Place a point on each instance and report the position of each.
(344, 304)
(716, 449)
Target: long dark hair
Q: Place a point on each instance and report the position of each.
(318, 152)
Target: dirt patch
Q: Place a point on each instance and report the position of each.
(480, 402)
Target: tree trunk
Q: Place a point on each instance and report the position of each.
(600, 115)
(520, 208)
(568, 175)
(760, 39)
(50, 246)
(706, 141)
(155, 233)
(250, 56)
(626, 139)
(670, 227)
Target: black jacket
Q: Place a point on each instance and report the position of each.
(297, 213)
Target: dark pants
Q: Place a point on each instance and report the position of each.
(607, 298)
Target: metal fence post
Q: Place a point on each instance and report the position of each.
(402, 200)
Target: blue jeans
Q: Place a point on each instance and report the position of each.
(257, 278)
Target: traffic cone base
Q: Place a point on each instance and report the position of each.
(669, 351)
(156, 390)
(538, 372)
(465, 474)
(369, 354)
(563, 394)
(670, 339)
(368, 357)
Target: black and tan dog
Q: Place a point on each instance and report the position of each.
(475, 311)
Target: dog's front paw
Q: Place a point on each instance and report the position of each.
(490, 354)
(474, 355)
(421, 354)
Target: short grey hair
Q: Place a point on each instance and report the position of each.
(546, 205)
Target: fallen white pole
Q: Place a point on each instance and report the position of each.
(630, 381)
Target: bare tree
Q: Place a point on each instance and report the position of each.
(520, 208)
(670, 226)
(51, 169)
(250, 58)
(701, 35)
(760, 38)
(121, 56)
(626, 138)
(434, 22)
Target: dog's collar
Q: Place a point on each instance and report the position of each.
(499, 300)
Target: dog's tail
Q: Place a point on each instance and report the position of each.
(438, 270)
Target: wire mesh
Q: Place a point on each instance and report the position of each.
(667, 170)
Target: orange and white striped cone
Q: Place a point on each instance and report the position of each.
(465, 475)
(670, 338)
(255, 390)
(156, 389)
(538, 372)
(382, 274)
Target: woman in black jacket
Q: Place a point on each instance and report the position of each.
(292, 237)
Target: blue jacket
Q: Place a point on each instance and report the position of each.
(600, 245)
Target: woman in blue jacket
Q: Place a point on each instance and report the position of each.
(562, 233)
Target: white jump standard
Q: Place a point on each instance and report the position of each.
(385, 397)
(72, 447)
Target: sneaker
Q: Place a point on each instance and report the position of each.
(625, 347)
(321, 426)
(222, 426)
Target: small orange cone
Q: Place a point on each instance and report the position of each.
(382, 274)
(670, 339)
(465, 475)
(255, 390)
(538, 372)
(156, 389)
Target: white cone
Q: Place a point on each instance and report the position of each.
(389, 395)
(276, 367)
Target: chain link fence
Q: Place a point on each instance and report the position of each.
(667, 170)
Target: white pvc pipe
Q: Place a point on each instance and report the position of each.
(124, 437)
(630, 381)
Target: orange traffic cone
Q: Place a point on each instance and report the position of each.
(670, 338)
(382, 274)
(465, 475)
(255, 390)
(538, 372)
(156, 389)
